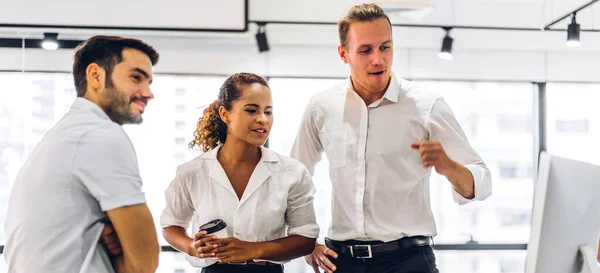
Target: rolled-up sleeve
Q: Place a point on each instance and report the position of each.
(105, 164)
(446, 129)
(300, 213)
(179, 209)
(307, 146)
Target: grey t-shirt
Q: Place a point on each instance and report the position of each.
(84, 166)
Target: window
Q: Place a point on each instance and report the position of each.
(25, 116)
(180, 92)
(505, 142)
(29, 105)
(507, 261)
(180, 108)
(573, 120)
(179, 125)
(172, 117)
(515, 170)
(515, 218)
(158, 161)
(478, 107)
(180, 141)
(508, 170)
(572, 126)
(515, 124)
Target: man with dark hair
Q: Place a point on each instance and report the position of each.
(82, 180)
(382, 137)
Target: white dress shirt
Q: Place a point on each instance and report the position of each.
(380, 188)
(277, 200)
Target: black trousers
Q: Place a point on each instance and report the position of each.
(419, 259)
(235, 268)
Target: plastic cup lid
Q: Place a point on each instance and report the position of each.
(213, 226)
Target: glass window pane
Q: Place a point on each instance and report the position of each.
(497, 119)
(504, 261)
(161, 141)
(573, 120)
(30, 104)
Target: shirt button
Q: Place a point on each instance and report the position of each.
(237, 232)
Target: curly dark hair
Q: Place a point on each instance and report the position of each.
(211, 130)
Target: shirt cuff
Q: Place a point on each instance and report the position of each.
(168, 221)
(198, 262)
(479, 178)
(308, 231)
(122, 201)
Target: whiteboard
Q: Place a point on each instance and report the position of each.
(209, 15)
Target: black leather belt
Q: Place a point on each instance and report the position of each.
(367, 251)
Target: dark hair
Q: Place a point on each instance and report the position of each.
(107, 52)
(359, 13)
(211, 130)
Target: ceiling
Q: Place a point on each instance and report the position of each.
(530, 14)
(485, 13)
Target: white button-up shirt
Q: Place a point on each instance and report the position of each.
(277, 200)
(380, 187)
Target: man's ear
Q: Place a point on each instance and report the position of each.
(95, 76)
(342, 53)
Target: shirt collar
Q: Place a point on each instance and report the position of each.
(392, 93)
(259, 176)
(266, 154)
(82, 103)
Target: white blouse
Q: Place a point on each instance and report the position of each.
(278, 200)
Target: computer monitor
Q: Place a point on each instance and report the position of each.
(565, 223)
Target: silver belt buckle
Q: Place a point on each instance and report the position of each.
(244, 263)
(361, 251)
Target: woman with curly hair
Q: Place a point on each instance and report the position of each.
(264, 198)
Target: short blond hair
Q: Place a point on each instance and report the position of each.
(360, 13)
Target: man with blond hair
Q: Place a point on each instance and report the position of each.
(382, 137)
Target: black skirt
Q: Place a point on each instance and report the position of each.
(248, 268)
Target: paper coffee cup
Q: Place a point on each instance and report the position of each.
(215, 227)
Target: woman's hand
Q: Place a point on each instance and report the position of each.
(203, 246)
(233, 250)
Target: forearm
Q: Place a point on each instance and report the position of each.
(286, 248)
(462, 180)
(178, 238)
(135, 229)
(121, 266)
